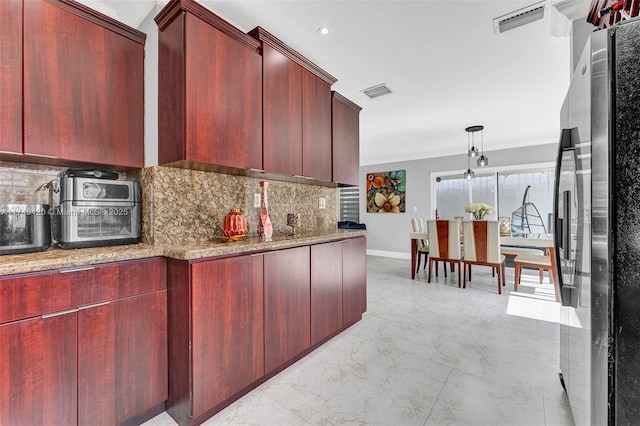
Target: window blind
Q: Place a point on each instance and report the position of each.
(349, 200)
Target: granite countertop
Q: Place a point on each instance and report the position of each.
(56, 258)
(255, 244)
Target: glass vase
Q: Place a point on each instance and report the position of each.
(265, 228)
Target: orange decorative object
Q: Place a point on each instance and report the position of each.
(235, 224)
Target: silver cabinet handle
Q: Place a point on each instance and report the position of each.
(55, 314)
(76, 269)
(93, 306)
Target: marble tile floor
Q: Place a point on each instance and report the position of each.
(424, 354)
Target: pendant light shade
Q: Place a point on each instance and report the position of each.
(468, 175)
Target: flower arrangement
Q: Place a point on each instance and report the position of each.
(479, 210)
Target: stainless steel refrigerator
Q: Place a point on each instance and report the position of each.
(597, 230)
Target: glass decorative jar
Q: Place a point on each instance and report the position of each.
(505, 226)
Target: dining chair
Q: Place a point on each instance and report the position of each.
(444, 244)
(423, 245)
(482, 247)
(513, 252)
(537, 262)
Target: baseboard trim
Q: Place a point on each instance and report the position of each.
(393, 254)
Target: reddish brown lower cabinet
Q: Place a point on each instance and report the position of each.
(287, 309)
(236, 321)
(354, 279)
(122, 358)
(216, 342)
(84, 346)
(38, 378)
(326, 290)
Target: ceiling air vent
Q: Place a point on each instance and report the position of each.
(518, 18)
(377, 91)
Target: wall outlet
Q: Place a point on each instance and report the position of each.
(256, 200)
(322, 203)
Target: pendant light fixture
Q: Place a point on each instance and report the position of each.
(468, 175)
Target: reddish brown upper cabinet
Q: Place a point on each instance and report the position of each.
(209, 90)
(354, 279)
(287, 309)
(83, 86)
(84, 346)
(11, 76)
(326, 290)
(316, 127)
(296, 97)
(345, 125)
(282, 139)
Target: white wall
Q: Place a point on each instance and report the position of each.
(388, 233)
(149, 27)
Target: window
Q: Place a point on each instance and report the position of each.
(531, 213)
(453, 193)
(503, 188)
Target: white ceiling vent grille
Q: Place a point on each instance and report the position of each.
(377, 91)
(520, 17)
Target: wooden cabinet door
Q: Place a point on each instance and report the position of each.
(326, 290)
(223, 98)
(316, 127)
(287, 308)
(38, 381)
(83, 89)
(11, 76)
(227, 339)
(282, 116)
(354, 279)
(345, 125)
(122, 358)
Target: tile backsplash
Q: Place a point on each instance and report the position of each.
(186, 206)
(23, 183)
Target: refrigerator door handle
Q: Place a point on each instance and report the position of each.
(562, 234)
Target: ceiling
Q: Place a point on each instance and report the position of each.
(445, 66)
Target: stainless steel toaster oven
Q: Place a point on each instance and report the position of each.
(96, 212)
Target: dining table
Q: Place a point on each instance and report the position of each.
(526, 242)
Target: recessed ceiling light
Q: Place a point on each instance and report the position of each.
(323, 30)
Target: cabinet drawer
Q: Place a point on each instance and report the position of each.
(35, 294)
